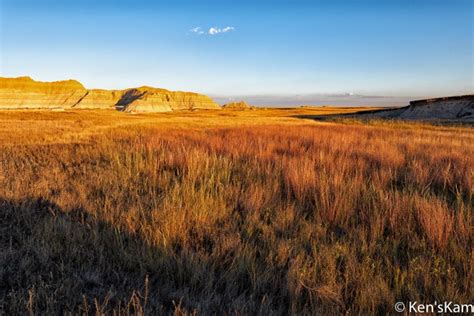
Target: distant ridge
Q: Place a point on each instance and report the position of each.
(453, 108)
(26, 93)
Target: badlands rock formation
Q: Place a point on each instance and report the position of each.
(24, 92)
(458, 107)
(99, 99)
(148, 99)
(242, 105)
(455, 108)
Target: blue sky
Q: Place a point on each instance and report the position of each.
(270, 48)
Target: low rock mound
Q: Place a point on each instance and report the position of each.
(242, 105)
(24, 92)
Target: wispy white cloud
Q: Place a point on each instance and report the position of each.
(212, 30)
(228, 29)
(216, 30)
(197, 30)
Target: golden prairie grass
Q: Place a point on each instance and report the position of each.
(254, 214)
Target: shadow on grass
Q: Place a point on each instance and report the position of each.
(364, 114)
(55, 261)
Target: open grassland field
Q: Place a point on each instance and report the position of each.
(214, 212)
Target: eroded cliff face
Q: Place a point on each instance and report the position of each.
(99, 99)
(148, 99)
(24, 92)
(449, 109)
